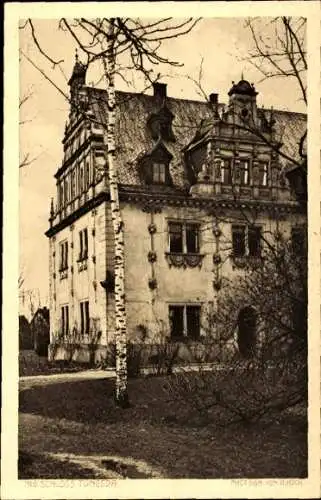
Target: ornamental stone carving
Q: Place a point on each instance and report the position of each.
(152, 283)
(152, 257)
(152, 228)
(184, 260)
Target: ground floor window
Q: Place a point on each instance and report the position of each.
(65, 320)
(84, 317)
(184, 321)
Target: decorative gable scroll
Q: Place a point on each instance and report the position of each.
(160, 124)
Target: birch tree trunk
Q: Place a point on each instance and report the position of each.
(121, 394)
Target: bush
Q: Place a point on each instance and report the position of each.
(240, 390)
(162, 362)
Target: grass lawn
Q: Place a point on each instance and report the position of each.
(77, 419)
(32, 364)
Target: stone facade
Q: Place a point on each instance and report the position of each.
(182, 195)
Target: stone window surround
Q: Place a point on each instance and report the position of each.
(185, 305)
(184, 223)
(63, 266)
(246, 255)
(260, 163)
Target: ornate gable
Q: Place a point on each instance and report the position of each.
(160, 124)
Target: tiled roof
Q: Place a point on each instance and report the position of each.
(133, 138)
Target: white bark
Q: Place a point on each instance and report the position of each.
(121, 394)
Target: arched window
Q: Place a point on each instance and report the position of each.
(247, 322)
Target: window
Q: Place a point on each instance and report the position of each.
(66, 190)
(238, 241)
(65, 320)
(263, 174)
(73, 185)
(184, 321)
(226, 177)
(61, 194)
(193, 321)
(159, 173)
(84, 317)
(63, 256)
(244, 172)
(175, 237)
(83, 244)
(81, 179)
(246, 241)
(87, 176)
(254, 241)
(176, 318)
(191, 233)
(183, 237)
(298, 239)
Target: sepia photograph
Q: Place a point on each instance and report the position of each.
(164, 247)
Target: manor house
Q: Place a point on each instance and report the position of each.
(199, 184)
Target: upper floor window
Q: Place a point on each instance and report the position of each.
(246, 241)
(244, 167)
(183, 237)
(81, 179)
(254, 241)
(73, 185)
(159, 173)
(226, 176)
(61, 194)
(83, 244)
(87, 175)
(263, 174)
(66, 190)
(63, 256)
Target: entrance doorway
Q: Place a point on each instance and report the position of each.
(247, 332)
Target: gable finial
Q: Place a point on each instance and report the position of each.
(242, 75)
(76, 55)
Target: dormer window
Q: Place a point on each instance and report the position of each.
(154, 166)
(159, 173)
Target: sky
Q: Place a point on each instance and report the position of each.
(218, 44)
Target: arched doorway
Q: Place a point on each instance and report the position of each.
(247, 332)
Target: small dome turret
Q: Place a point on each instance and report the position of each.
(243, 87)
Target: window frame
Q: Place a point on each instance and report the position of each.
(83, 244)
(243, 171)
(246, 229)
(64, 319)
(224, 169)
(84, 317)
(264, 173)
(158, 172)
(186, 326)
(184, 239)
(238, 229)
(63, 255)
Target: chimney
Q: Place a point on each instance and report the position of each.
(214, 99)
(159, 89)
